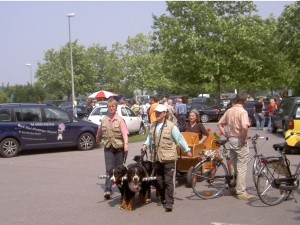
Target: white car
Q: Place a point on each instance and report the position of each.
(134, 123)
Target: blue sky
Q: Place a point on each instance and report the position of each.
(29, 29)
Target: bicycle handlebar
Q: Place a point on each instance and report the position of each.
(256, 136)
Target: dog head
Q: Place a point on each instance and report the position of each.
(135, 175)
(116, 174)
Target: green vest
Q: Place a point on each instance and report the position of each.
(111, 133)
(164, 144)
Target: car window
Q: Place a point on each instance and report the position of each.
(100, 111)
(297, 112)
(130, 112)
(28, 114)
(5, 115)
(123, 111)
(56, 115)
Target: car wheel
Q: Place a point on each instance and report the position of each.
(9, 147)
(284, 129)
(273, 128)
(204, 118)
(142, 129)
(86, 141)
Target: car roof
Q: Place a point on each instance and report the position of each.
(22, 104)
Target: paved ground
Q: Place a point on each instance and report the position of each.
(61, 188)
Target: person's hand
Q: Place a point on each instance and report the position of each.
(189, 154)
(126, 147)
(144, 148)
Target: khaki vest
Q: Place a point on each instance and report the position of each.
(166, 148)
(111, 133)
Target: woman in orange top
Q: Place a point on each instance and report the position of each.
(272, 107)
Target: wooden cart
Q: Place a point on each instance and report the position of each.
(184, 163)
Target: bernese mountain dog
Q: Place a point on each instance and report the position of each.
(116, 176)
(138, 181)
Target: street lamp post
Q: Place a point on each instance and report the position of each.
(71, 63)
(29, 65)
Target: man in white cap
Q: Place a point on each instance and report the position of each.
(161, 141)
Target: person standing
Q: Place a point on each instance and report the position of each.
(152, 109)
(171, 111)
(181, 111)
(161, 141)
(259, 116)
(272, 107)
(234, 125)
(115, 140)
(194, 125)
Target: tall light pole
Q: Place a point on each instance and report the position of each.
(29, 65)
(69, 15)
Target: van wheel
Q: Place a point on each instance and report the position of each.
(86, 141)
(9, 147)
(204, 118)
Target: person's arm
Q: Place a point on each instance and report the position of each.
(222, 123)
(245, 127)
(179, 139)
(124, 131)
(204, 133)
(99, 132)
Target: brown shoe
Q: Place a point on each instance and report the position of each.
(245, 196)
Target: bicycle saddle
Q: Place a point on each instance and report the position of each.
(279, 146)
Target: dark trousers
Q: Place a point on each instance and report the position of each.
(181, 120)
(113, 158)
(164, 178)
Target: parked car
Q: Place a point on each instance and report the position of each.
(81, 111)
(293, 132)
(134, 123)
(65, 105)
(249, 107)
(39, 126)
(208, 110)
(284, 114)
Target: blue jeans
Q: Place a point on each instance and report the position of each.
(270, 122)
(260, 121)
(113, 158)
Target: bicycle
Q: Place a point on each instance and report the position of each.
(211, 176)
(275, 182)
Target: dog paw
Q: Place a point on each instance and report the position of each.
(148, 201)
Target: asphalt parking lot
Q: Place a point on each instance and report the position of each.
(61, 187)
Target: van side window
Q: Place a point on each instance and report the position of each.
(5, 115)
(28, 114)
(55, 115)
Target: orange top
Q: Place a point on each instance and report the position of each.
(152, 112)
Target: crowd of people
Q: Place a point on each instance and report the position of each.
(166, 122)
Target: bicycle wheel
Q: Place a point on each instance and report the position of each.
(256, 168)
(266, 190)
(209, 179)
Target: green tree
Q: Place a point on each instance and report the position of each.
(288, 33)
(216, 44)
(55, 73)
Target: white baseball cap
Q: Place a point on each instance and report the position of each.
(161, 108)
